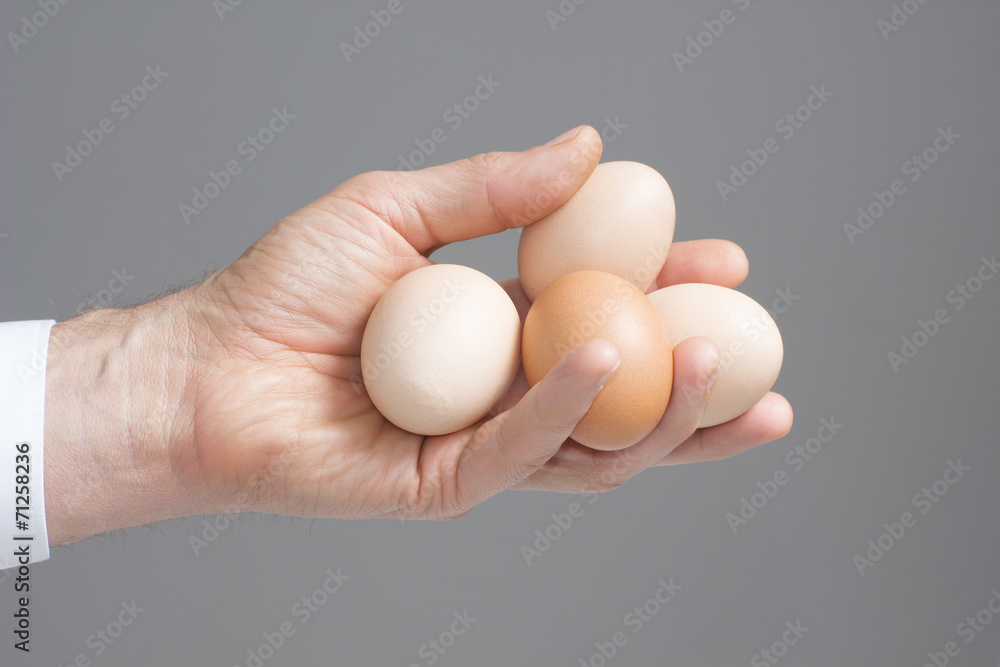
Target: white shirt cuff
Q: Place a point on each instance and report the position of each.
(24, 348)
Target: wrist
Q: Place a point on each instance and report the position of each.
(118, 420)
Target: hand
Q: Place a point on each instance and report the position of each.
(245, 391)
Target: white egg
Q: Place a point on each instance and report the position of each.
(441, 347)
(747, 337)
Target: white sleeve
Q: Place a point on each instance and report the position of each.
(24, 348)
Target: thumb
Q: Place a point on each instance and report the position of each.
(480, 195)
(509, 448)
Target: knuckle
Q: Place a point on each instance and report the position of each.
(362, 186)
(602, 484)
(369, 179)
(708, 451)
(607, 479)
(380, 192)
(456, 513)
(556, 421)
(489, 160)
(515, 469)
(416, 501)
(613, 474)
(493, 165)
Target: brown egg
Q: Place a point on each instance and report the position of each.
(593, 304)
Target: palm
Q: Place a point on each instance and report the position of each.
(284, 418)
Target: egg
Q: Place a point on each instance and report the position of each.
(593, 304)
(620, 221)
(441, 347)
(747, 337)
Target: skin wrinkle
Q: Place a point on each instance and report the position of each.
(418, 500)
(385, 476)
(447, 478)
(364, 263)
(413, 211)
(438, 211)
(407, 486)
(338, 228)
(452, 487)
(697, 442)
(496, 212)
(389, 238)
(189, 388)
(368, 196)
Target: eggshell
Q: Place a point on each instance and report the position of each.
(440, 349)
(621, 221)
(747, 337)
(592, 304)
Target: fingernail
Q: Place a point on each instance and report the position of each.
(607, 376)
(565, 136)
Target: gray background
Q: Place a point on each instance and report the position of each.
(793, 561)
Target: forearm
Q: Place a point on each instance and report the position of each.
(118, 415)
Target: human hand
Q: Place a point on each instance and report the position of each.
(270, 414)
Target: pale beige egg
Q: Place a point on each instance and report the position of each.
(621, 221)
(747, 337)
(441, 347)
